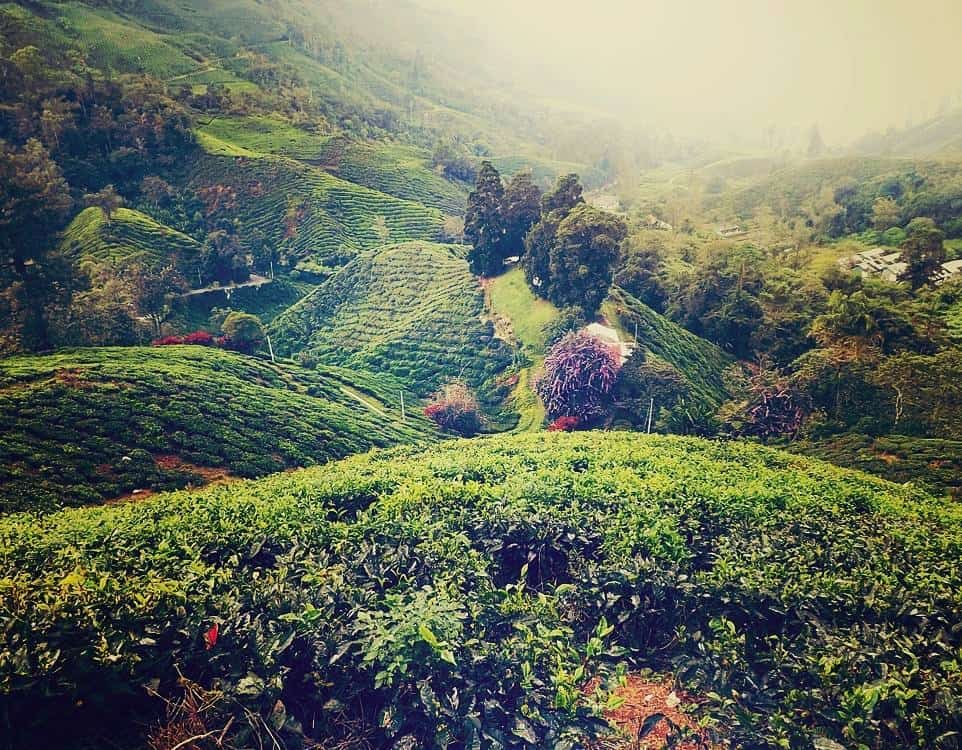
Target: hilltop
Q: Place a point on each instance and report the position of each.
(506, 571)
(92, 425)
(129, 236)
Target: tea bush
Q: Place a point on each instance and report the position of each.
(87, 425)
(462, 596)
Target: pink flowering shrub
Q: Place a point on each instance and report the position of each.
(580, 372)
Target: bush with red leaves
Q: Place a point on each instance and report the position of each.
(564, 424)
(456, 409)
(769, 405)
(197, 338)
(200, 338)
(579, 374)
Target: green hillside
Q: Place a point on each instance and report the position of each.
(701, 362)
(89, 425)
(335, 218)
(798, 600)
(412, 310)
(932, 463)
(395, 169)
(129, 236)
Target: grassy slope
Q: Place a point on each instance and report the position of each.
(84, 426)
(929, 462)
(413, 310)
(339, 218)
(701, 362)
(510, 296)
(394, 169)
(128, 236)
(755, 569)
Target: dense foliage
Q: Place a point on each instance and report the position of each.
(465, 595)
(580, 372)
(455, 408)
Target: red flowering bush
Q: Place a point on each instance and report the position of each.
(579, 374)
(168, 341)
(200, 338)
(455, 408)
(197, 338)
(564, 424)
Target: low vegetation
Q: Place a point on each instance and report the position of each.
(126, 237)
(467, 594)
(412, 310)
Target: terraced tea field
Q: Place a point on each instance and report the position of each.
(335, 219)
(394, 169)
(89, 425)
(129, 236)
(412, 310)
(802, 603)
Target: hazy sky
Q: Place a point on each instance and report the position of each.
(695, 66)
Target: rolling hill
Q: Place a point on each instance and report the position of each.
(701, 362)
(507, 572)
(129, 237)
(90, 425)
(335, 219)
(412, 310)
(391, 168)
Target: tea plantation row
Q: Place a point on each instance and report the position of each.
(930, 462)
(334, 218)
(401, 171)
(88, 425)
(701, 362)
(412, 310)
(129, 236)
(462, 597)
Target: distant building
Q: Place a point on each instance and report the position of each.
(888, 264)
(876, 261)
(733, 230)
(950, 270)
(894, 272)
(653, 222)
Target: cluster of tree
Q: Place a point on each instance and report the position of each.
(568, 249)
(453, 158)
(498, 218)
(879, 363)
(818, 354)
(822, 202)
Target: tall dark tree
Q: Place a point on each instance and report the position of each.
(521, 210)
(581, 264)
(642, 272)
(567, 194)
(154, 292)
(107, 200)
(34, 202)
(555, 206)
(923, 250)
(484, 225)
(816, 146)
